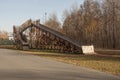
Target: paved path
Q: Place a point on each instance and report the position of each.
(17, 66)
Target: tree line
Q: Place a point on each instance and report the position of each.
(94, 22)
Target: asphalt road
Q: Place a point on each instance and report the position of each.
(17, 66)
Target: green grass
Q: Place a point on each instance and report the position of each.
(109, 63)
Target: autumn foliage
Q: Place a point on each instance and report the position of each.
(95, 22)
(3, 35)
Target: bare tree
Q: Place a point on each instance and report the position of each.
(95, 22)
(3, 35)
(53, 23)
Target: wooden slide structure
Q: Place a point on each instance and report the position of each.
(33, 35)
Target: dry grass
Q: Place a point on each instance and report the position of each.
(8, 46)
(109, 64)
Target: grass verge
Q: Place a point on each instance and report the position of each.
(108, 64)
(8, 46)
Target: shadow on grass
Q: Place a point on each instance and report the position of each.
(109, 52)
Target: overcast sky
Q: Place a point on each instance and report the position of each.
(15, 12)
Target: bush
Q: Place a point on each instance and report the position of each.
(6, 42)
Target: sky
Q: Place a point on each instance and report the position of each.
(16, 12)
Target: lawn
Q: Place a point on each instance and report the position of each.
(103, 61)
